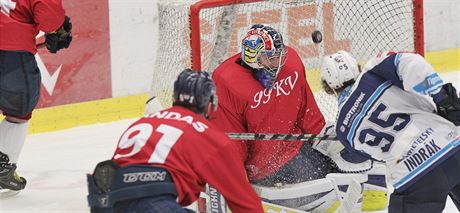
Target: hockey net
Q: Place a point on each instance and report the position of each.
(201, 34)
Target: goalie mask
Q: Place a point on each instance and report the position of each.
(264, 51)
(194, 90)
(338, 68)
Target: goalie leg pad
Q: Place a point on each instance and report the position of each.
(322, 195)
(375, 195)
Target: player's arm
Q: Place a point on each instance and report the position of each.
(229, 115)
(311, 120)
(225, 172)
(420, 77)
(50, 18)
(411, 72)
(48, 14)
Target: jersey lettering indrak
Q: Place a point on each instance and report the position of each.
(386, 118)
(193, 151)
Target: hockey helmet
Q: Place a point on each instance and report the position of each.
(338, 68)
(194, 90)
(263, 41)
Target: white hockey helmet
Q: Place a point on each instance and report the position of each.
(338, 68)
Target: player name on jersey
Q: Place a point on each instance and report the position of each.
(421, 150)
(197, 125)
(424, 153)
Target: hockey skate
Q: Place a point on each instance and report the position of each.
(10, 182)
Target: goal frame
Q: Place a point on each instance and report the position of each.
(195, 41)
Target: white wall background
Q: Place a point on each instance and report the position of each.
(133, 37)
(442, 24)
(134, 30)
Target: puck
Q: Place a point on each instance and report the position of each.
(316, 36)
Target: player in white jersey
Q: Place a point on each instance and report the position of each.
(397, 110)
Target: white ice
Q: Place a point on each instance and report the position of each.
(55, 165)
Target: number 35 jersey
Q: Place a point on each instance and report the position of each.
(193, 151)
(388, 115)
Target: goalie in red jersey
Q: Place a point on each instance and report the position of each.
(264, 90)
(164, 160)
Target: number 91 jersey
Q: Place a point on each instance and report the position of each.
(383, 121)
(193, 151)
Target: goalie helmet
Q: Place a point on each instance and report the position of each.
(338, 68)
(194, 90)
(263, 50)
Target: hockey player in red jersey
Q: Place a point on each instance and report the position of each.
(170, 155)
(20, 22)
(264, 89)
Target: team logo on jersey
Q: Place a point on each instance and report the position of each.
(281, 87)
(6, 6)
(430, 85)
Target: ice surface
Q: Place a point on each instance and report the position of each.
(55, 165)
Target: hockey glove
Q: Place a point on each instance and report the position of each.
(344, 160)
(449, 106)
(61, 38)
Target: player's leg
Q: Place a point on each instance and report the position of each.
(455, 196)
(429, 193)
(375, 189)
(19, 92)
(455, 191)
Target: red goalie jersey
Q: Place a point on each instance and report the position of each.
(194, 152)
(245, 106)
(21, 20)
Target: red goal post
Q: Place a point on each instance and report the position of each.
(201, 34)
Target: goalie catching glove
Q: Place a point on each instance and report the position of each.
(60, 38)
(345, 161)
(449, 106)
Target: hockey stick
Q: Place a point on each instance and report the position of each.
(40, 45)
(286, 137)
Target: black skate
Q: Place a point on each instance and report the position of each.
(9, 179)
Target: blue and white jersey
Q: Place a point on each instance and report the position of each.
(389, 116)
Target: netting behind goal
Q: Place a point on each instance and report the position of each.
(201, 34)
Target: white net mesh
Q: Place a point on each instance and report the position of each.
(362, 27)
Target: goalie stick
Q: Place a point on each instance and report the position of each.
(288, 137)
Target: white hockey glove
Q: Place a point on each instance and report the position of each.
(345, 161)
